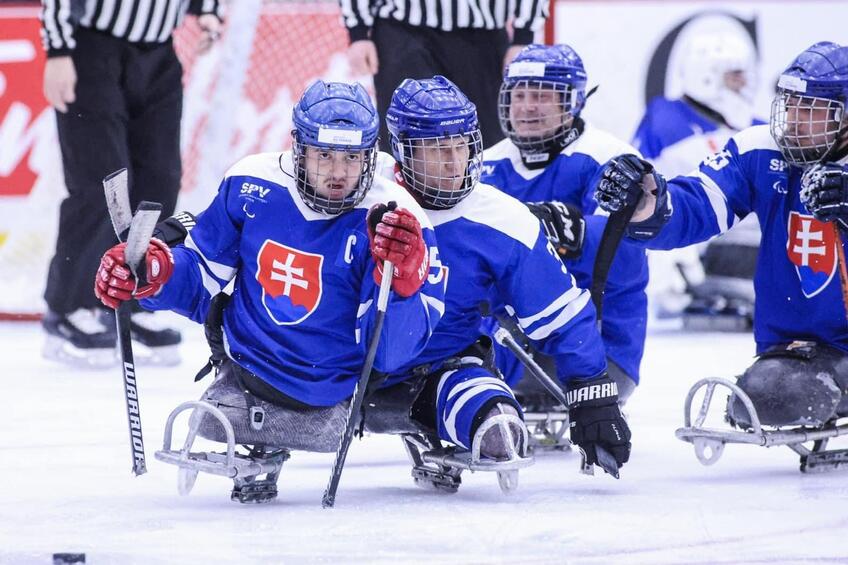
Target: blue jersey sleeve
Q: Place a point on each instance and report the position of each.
(208, 259)
(408, 323)
(645, 138)
(554, 313)
(711, 201)
(665, 123)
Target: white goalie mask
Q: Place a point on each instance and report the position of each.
(718, 70)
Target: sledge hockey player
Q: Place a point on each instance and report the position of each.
(792, 174)
(710, 284)
(302, 236)
(551, 159)
(491, 246)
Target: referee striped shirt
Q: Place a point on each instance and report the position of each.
(528, 16)
(137, 21)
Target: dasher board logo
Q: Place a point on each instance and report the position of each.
(290, 281)
(811, 247)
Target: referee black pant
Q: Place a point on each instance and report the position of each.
(471, 58)
(126, 114)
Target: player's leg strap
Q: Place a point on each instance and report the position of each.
(213, 327)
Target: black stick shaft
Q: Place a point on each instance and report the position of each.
(122, 319)
(613, 232)
(503, 337)
(329, 498)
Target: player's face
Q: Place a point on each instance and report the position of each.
(810, 122)
(535, 111)
(332, 173)
(440, 164)
(735, 81)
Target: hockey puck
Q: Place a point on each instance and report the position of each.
(65, 558)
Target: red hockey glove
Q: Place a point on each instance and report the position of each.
(115, 283)
(395, 235)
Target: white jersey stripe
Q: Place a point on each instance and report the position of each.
(363, 307)
(563, 318)
(476, 381)
(223, 272)
(718, 201)
(561, 302)
(209, 283)
(450, 421)
(433, 303)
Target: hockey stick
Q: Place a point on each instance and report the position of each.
(843, 268)
(503, 337)
(359, 392)
(605, 460)
(607, 248)
(140, 231)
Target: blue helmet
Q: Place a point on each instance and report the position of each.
(543, 88)
(808, 118)
(436, 140)
(340, 121)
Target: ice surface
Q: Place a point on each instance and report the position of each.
(67, 486)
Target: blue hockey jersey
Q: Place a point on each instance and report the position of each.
(491, 245)
(675, 137)
(571, 177)
(304, 299)
(798, 295)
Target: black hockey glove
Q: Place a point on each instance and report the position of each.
(621, 182)
(174, 230)
(597, 425)
(621, 186)
(171, 231)
(564, 226)
(824, 191)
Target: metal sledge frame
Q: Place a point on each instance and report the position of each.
(440, 468)
(242, 469)
(549, 430)
(714, 440)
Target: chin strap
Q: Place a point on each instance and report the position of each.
(541, 158)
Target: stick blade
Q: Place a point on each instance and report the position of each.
(141, 230)
(606, 461)
(116, 189)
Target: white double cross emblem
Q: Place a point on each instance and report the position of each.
(806, 237)
(288, 275)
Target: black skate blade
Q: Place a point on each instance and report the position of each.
(825, 461)
(257, 492)
(606, 461)
(435, 480)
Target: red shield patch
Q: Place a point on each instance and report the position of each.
(290, 280)
(811, 247)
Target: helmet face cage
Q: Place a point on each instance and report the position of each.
(806, 128)
(332, 168)
(533, 113)
(442, 171)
